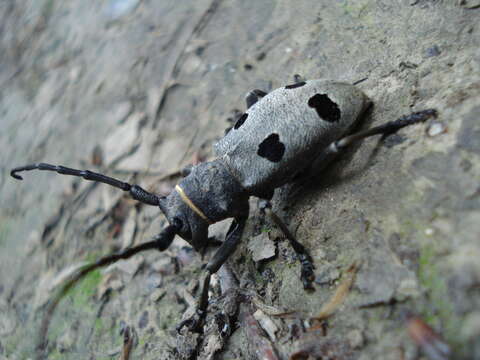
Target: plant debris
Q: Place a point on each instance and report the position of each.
(339, 296)
(431, 343)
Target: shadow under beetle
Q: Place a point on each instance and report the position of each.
(293, 130)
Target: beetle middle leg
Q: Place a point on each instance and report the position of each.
(298, 78)
(253, 96)
(307, 275)
(228, 247)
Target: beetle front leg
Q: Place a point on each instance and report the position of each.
(234, 235)
(307, 272)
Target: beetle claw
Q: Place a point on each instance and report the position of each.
(307, 273)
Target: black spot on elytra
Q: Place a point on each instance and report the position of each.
(271, 148)
(240, 121)
(297, 85)
(325, 107)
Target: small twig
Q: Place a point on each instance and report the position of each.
(105, 299)
(256, 337)
(272, 310)
(128, 337)
(360, 81)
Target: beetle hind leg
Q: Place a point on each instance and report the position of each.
(307, 272)
(336, 148)
(384, 129)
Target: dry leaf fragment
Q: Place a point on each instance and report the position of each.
(340, 294)
(261, 247)
(267, 324)
(427, 339)
(128, 337)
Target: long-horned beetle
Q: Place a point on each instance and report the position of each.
(287, 132)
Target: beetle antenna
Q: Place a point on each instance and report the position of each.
(136, 191)
(160, 242)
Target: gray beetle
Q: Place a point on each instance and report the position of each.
(283, 134)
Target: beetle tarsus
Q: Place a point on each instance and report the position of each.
(195, 322)
(307, 273)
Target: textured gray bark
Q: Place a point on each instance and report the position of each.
(156, 85)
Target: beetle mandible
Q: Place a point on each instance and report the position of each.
(285, 133)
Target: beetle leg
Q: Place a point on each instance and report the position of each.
(234, 235)
(298, 78)
(253, 96)
(307, 275)
(332, 151)
(384, 129)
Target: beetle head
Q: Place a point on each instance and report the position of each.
(189, 225)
